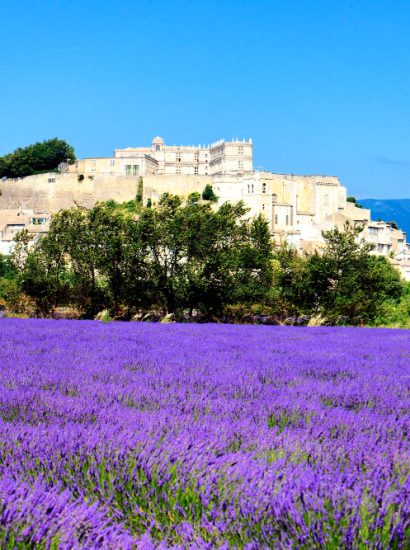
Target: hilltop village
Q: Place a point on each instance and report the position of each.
(298, 208)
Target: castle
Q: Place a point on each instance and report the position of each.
(298, 208)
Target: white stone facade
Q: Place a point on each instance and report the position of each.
(221, 157)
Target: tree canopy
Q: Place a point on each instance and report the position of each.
(173, 256)
(34, 159)
(182, 256)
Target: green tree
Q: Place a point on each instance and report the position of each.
(108, 234)
(208, 194)
(39, 157)
(140, 190)
(75, 234)
(161, 233)
(7, 270)
(229, 259)
(354, 201)
(42, 272)
(195, 257)
(255, 263)
(291, 292)
(348, 282)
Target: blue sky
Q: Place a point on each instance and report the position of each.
(322, 87)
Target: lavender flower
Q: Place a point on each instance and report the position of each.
(203, 436)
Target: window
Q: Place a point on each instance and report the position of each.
(178, 170)
(135, 169)
(249, 188)
(252, 188)
(51, 180)
(287, 219)
(38, 221)
(263, 207)
(128, 170)
(274, 198)
(276, 219)
(196, 170)
(158, 148)
(263, 187)
(240, 150)
(112, 162)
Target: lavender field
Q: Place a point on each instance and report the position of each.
(132, 435)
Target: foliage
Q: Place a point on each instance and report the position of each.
(42, 271)
(175, 256)
(393, 314)
(7, 270)
(190, 256)
(197, 257)
(208, 194)
(341, 283)
(353, 200)
(140, 190)
(354, 284)
(293, 294)
(40, 157)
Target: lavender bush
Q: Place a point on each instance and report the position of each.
(203, 436)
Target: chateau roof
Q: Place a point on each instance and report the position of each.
(158, 141)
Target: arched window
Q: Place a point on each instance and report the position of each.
(158, 148)
(274, 198)
(264, 187)
(263, 207)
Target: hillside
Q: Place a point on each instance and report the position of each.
(397, 210)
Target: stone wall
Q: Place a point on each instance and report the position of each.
(181, 185)
(52, 192)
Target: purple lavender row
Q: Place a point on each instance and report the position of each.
(203, 435)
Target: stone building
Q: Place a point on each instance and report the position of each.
(298, 207)
(13, 221)
(221, 157)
